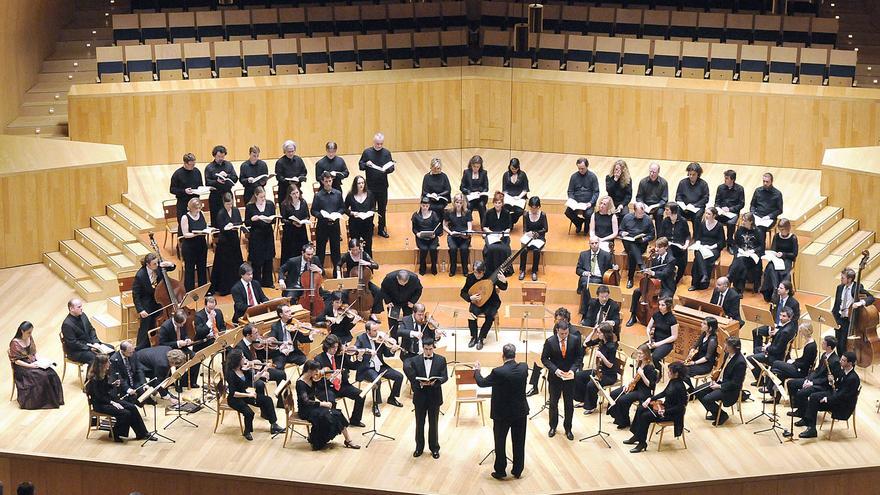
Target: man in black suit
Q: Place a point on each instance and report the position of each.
(603, 308)
(663, 269)
(174, 334)
(288, 352)
(374, 363)
(250, 336)
(79, 334)
(333, 358)
(841, 402)
(246, 293)
(783, 299)
(290, 272)
(327, 200)
(847, 298)
(728, 298)
(143, 290)
(800, 389)
(510, 410)
(777, 349)
(729, 386)
(209, 323)
(127, 370)
(413, 330)
(591, 265)
(427, 394)
(401, 290)
(562, 356)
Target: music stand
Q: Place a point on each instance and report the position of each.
(454, 310)
(195, 295)
(525, 312)
(777, 383)
(375, 431)
(149, 393)
(335, 284)
(821, 316)
(608, 403)
(703, 306)
(171, 380)
(773, 417)
(758, 316)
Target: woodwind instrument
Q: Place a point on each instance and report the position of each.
(830, 374)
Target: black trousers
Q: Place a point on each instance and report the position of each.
(800, 395)
(280, 360)
(147, 324)
(423, 260)
(392, 374)
(84, 357)
(432, 413)
(536, 259)
(730, 226)
(702, 268)
(579, 218)
(263, 401)
(328, 232)
(479, 205)
(585, 390)
(841, 333)
(681, 261)
(660, 352)
(195, 261)
(758, 335)
(584, 291)
(642, 422)
(694, 218)
(127, 418)
(381, 195)
(785, 371)
(349, 391)
(709, 399)
(517, 429)
(489, 312)
(634, 253)
(458, 245)
(564, 388)
(762, 358)
(263, 272)
(622, 404)
(814, 406)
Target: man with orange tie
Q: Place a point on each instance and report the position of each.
(246, 293)
(332, 358)
(209, 323)
(563, 357)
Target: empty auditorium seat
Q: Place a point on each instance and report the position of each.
(574, 19)
(551, 14)
(795, 31)
(710, 27)
(454, 14)
(526, 58)
(636, 56)
(496, 48)
(428, 16)
(292, 22)
(197, 59)
(823, 32)
(210, 25)
(139, 62)
(427, 48)
(265, 24)
(169, 61)
(343, 57)
(753, 62)
(694, 59)
(227, 58)
(110, 63)
(399, 47)
(182, 27)
(607, 58)
(374, 19)
(842, 67)
(551, 51)
(579, 52)
(768, 30)
(285, 56)
(493, 15)
(255, 54)
(739, 28)
(722, 61)
(783, 62)
(347, 19)
(154, 28)
(126, 29)
(314, 54)
(320, 21)
(401, 17)
(655, 24)
(517, 13)
(370, 52)
(238, 25)
(812, 66)
(628, 23)
(665, 59)
(455, 49)
(683, 26)
(601, 21)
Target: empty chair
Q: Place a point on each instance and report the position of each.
(347, 18)
(694, 59)
(428, 16)
(739, 28)
(667, 4)
(496, 48)
(400, 50)
(238, 25)
(227, 58)
(768, 30)
(722, 61)
(524, 59)
(265, 23)
(608, 50)
(455, 48)
(551, 51)
(210, 25)
(753, 6)
(427, 49)
(197, 58)
(574, 19)
(139, 62)
(666, 58)
(320, 21)
(842, 67)
(812, 66)
(579, 52)
(628, 23)
(111, 64)
(256, 57)
(401, 17)
(314, 55)
(285, 56)
(343, 57)
(154, 28)
(182, 27)
(517, 13)
(551, 14)
(710, 26)
(126, 29)
(655, 24)
(169, 61)
(601, 21)
(796, 31)
(683, 26)
(783, 61)
(636, 56)
(808, 7)
(753, 62)
(370, 52)
(374, 19)
(696, 5)
(292, 22)
(493, 15)
(454, 14)
(823, 32)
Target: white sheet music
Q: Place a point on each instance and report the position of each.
(687, 207)
(651, 208)
(363, 215)
(747, 253)
(475, 195)
(202, 190)
(331, 216)
(705, 251)
(43, 363)
(512, 201)
(538, 243)
(771, 256)
(574, 205)
(493, 238)
(726, 214)
(763, 221)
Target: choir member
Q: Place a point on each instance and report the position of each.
(335, 359)
(848, 296)
(289, 169)
(427, 394)
(785, 245)
(435, 187)
(332, 163)
(80, 340)
(475, 186)
(238, 381)
(766, 203)
(603, 224)
(602, 309)
(376, 350)
(401, 290)
(728, 299)
(290, 272)
(692, 193)
(289, 339)
(357, 256)
(227, 252)
(562, 355)
(653, 192)
(618, 185)
(800, 389)
(253, 173)
(36, 382)
(535, 226)
(748, 247)
(591, 266)
(378, 164)
(143, 294)
(489, 309)
(676, 230)
(259, 216)
(209, 323)
(194, 245)
(604, 362)
(426, 228)
(841, 401)
(636, 231)
(704, 353)
(246, 293)
(360, 202)
(457, 220)
(220, 175)
(780, 339)
(673, 407)
(583, 188)
(730, 198)
(315, 404)
(662, 332)
(295, 221)
(661, 267)
(499, 220)
(637, 391)
(100, 394)
(174, 334)
(796, 367)
(184, 182)
(325, 204)
(710, 233)
(515, 183)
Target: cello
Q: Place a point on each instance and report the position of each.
(649, 303)
(363, 296)
(169, 293)
(863, 321)
(310, 282)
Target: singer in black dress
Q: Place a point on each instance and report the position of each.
(227, 253)
(37, 388)
(261, 245)
(514, 183)
(710, 232)
(436, 182)
(293, 235)
(194, 247)
(785, 243)
(248, 172)
(360, 200)
(534, 225)
(316, 404)
(475, 180)
(425, 220)
(497, 219)
(744, 268)
(457, 219)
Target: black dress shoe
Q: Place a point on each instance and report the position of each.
(394, 402)
(794, 413)
(754, 383)
(498, 476)
(276, 430)
(631, 441)
(422, 271)
(692, 288)
(472, 342)
(808, 433)
(435, 455)
(629, 284)
(480, 345)
(622, 427)
(532, 391)
(569, 435)
(376, 411)
(451, 273)
(417, 453)
(384, 233)
(631, 321)
(434, 270)
(358, 424)
(639, 448)
(551, 433)
(248, 437)
(723, 419)
(800, 422)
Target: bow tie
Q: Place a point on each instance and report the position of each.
(428, 359)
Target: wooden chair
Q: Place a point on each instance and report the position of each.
(467, 392)
(169, 212)
(12, 394)
(223, 406)
(293, 419)
(79, 366)
(534, 293)
(99, 421)
(739, 409)
(494, 326)
(663, 425)
(842, 418)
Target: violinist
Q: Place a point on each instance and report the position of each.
(704, 353)
(662, 331)
(602, 309)
(413, 329)
(254, 348)
(728, 387)
(290, 272)
(800, 367)
(246, 293)
(640, 388)
(489, 309)
(840, 401)
(209, 323)
(401, 290)
(377, 346)
(800, 389)
(339, 317)
(337, 359)
(194, 247)
(668, 405)
(173, 333)
(239, 379)
(592, 264)
(604, 364)
(356, 256)
(316, 404)
(847, 297)
(289, 336)
(143, 293)
(663, 269)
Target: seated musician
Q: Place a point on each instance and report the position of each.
(339, 317)
(777, 349)
(316, 404)
(173, 333)
(663, 269)
(672, 408)
(490, 307)
(80, 340)
(604, 363)
(784, 299)
(412, 330)
(246, 293)
(800, 389)
(591, 265)
(209, 324)
(240, 378)
(728, 387)
(290, 272)
(401, 290)
(704, 354)
(728, 298)
(373, 363)
(638, 227)
(143, 294)
(356, 256)
(641, 388)
(848, 296)
(102, 398)
(662, 332)
(840, 401)
(155, 363)
(289, 338)
(335, 359)
(796, 368)
(561, 314)
(255, 351)
(128, 370)
(603, 308)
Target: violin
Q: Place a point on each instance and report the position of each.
(631, 386)
(433, 326)
(657, 406)
(649, 303)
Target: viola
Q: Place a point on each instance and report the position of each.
(363, 297)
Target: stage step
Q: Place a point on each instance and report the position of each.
(142, 212)
(109, 328)
(106, 278)
(99, 245)
(831, 238)
(824, 276)
(129, 219)
(90, 65)
(71, 77)
(817, 224)
(820, 203)
(127, 242)
(80, 254)
(849, 248)
(75, 276)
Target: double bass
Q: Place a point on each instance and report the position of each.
(862, 336)
(169, 293)
(310, 282)
(650, 300)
